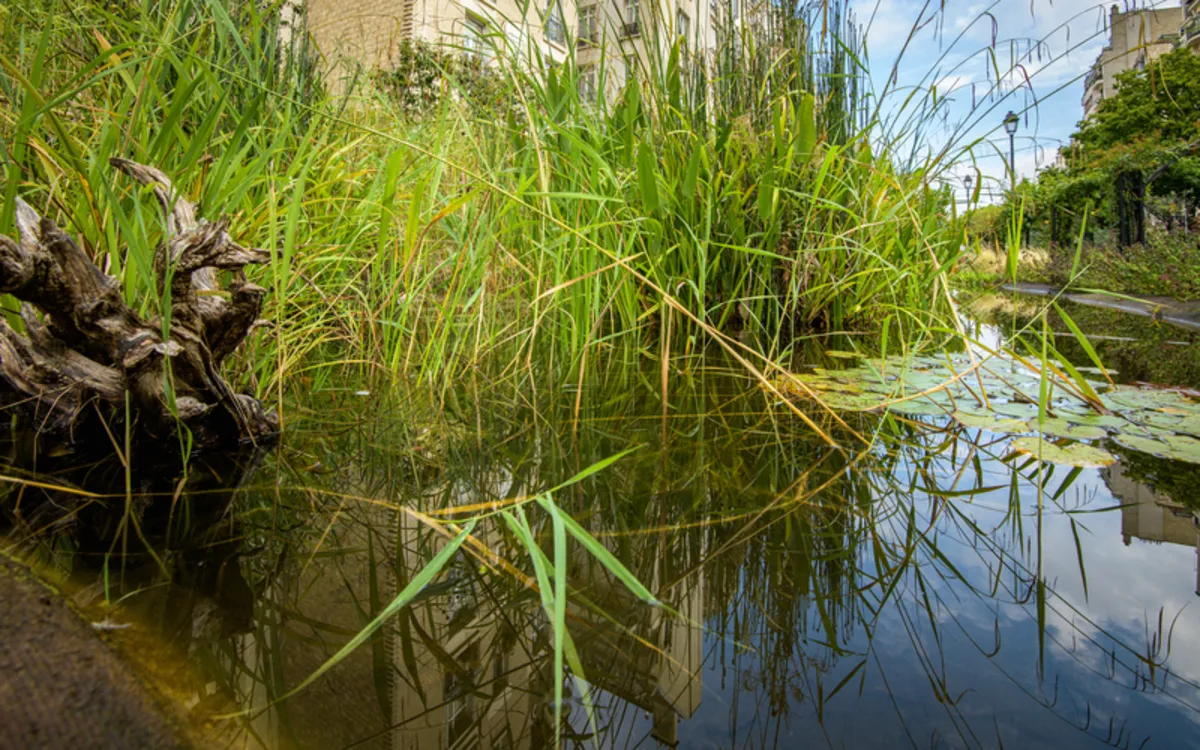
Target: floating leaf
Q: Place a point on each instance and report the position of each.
(989, 421)
(918, 408)
(1184, 448)
(1097, 420)
(1159, 419)
(860, 401)
(1016, 409)
(837, 354)
(923, 381)
(1162, 422)
(1126, 397)
(1176, 447)
(1143, 444)
(1059, 427)
(1074, 454)
(1189, 426)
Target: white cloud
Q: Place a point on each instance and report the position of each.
(952, 83)
(1040, 49)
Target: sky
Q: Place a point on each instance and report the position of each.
(1050, 45)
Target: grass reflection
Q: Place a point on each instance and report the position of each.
(801, 585)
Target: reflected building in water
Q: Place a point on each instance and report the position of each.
(1152, 516)
(470, 664)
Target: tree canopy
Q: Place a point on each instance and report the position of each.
(1152, 121)
(1160, 103)
(1150, 127)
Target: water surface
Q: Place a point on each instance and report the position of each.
(926, 591)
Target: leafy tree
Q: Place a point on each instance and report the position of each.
(1159, 104)
(1149, 129)
(1152, 122)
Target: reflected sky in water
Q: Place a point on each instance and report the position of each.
(918, 593)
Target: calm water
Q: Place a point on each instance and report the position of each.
(924, 592)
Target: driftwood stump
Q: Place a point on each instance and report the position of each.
(89, 357)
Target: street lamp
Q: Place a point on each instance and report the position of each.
(967, 180)
(1010, 126)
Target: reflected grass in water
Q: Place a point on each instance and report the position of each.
(914, 581)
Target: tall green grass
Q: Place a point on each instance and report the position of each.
(737, 192)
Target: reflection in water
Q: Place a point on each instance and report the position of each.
(1134, 348)
(1151, 516)
(923, 592)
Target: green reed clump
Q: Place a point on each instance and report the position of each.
(744, 191)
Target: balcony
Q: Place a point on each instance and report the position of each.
(1092, 76)
(1190, 30)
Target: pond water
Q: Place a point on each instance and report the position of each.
(926, 591)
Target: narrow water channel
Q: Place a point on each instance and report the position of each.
(930, 591)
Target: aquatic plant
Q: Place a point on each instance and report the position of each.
(425, 245)
(536, 250)
(1051, 398)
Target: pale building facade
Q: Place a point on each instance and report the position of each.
(610, 40)
(1152, 516)
(1135, 38)
(1189, 32)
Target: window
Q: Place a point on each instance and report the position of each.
(474, 41)
(681, 24)
(457, 692)
(733, 8)
(632, 14)
(587, 84)
(460, 709)
(556, 27)
(589, 30)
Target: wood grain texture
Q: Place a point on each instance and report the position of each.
(82, 344)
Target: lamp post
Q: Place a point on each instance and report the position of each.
(1011, 120)
(1010, 126)
(967, 180)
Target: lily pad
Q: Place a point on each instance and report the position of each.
(838, 354)
(923, 381)
(1092, 419)
(1127, 397)
(1016, 409)
(918, 408)
(990, 421)
(1143, 444)
(1181, 405)
(1074, 454)
(1059, 427)
(1176, 447)
(1158, 421)
(1184, 447)
(1188, 426)
(854, 401)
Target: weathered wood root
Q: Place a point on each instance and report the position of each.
(88, 347)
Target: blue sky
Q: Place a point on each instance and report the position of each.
(1071, 34)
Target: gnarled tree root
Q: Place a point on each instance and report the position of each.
(87, 349)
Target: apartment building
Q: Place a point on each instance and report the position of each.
(611, 39)
(1189, 32)
(1135, 38)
